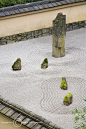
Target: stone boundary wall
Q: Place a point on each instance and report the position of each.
(39, 33)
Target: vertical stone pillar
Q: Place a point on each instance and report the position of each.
(58, 36)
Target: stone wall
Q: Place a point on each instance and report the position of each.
(39, 33)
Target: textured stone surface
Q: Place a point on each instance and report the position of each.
(20, 118)
(5, 110)
(64, 85)
(9, 113)
(25, 121)
(15, 115)
(68, 99)
(58, 36)
(17, 64)
(44, 65)
(38, 126)
(31, 124)
(1, 106)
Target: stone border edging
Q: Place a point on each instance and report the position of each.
(28, 113)
(39, 33)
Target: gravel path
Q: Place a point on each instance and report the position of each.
(38, 89)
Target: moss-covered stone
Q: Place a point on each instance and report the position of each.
(68, 99)
(17, 64)
(44, 65)
(64, 85)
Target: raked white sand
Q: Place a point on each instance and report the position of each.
(38, 90)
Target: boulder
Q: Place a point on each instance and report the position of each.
(17, 64)
(68, 99)
(44, 65)
(64, 85)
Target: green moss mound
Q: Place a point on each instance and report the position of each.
(63, 84)
(45, 61)
(66, 98)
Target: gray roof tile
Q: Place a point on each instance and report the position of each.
(31, 8)
(45, 6)
(63, 2)
(68, 1)
(7, 13)
(26, 9)
(16, 11)
(54, 4)
(11, 12)
(73, 0)
(35, 8)
(50, 5)
(2, 14)
(58, 3)
(40, 7)
(21, 10)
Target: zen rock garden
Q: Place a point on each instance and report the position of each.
(58, 50)
(17, 64)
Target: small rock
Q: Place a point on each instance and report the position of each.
(44, 65)
(68, 99)
(64, 85)
(17, 64)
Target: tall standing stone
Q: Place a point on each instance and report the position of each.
(58, 36)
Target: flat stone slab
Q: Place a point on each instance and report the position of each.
(10, 112)
(5, 110)
(15, 115)
(25, 121)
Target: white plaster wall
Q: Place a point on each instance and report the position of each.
(40, 19)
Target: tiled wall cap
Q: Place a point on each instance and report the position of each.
(30, 6)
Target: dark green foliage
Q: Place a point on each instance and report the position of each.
(6, 3)
(80, 115)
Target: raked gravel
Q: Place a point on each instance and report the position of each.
(38, 90)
